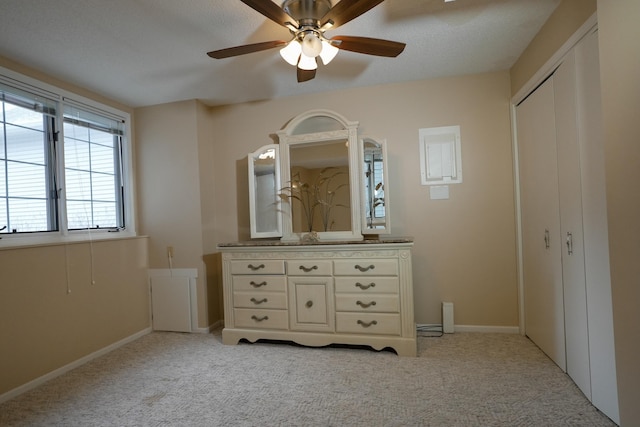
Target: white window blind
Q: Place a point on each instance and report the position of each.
(93, 171)
(27, 151)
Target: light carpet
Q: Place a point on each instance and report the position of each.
(173, 379)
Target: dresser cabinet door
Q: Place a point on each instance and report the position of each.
(311, 304)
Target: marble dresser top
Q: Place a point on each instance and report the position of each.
(255, 243)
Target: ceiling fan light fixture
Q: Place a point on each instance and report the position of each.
(328, 52)
(307, 63)
(311, 44)
(291, 52)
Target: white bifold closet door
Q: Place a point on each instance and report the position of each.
(551, 202)
(540, 210)
(567, 290)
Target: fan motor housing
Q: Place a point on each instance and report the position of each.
(306, 12)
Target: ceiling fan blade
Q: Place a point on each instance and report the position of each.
(244, 49)
(305, 75)
(346, 10)
(271, 11)
(369, 46)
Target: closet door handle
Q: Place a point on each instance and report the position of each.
(569, 243)
(546, 238)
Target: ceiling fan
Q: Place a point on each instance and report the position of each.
(307, 20)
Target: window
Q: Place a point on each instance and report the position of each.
(93, 181)
(27, 126)
(61, 163)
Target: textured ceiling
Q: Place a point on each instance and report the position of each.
(145, 52)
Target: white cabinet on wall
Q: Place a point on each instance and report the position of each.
(567, 290)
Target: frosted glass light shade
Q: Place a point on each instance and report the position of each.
(311, 45)
(307, 63)
(291, 52)
(328, 52)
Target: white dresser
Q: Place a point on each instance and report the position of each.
(358, 293)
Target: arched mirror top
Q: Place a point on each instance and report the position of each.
(317, 121)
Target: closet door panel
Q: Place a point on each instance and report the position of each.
(604, 393)
(542, 268)
(571, 230)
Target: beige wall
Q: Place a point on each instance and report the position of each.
(50, 312)
(620, 70)
(78, 90)
(464, 247)
(47, 328)
(171, 150)
(564, 21)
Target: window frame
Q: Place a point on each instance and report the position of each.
(63, 97)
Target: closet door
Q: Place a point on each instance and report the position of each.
(571, 227)
(604, 393)
(542, 268)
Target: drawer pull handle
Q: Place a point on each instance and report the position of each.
(308, 269)
(259, 319)
(365, 305)
(367, 324)
(256, 301)
(257, 285)
(365, 287)
(363, 269)
(255, 267)
(309, 304)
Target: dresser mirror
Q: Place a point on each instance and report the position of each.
(320, 178)
(324, 184)
(375, 196)
(320, 187)
(264, 182)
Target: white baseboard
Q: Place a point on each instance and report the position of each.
(488, 329)
(66, 368)
(475, 328)
(210, 328)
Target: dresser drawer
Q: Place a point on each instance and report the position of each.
(260, 300)
(260, 283)
(262, 319)
(378, 285)
(368, 323)
(257, 267)
(368, 303)
(366, 267)
(310, 267)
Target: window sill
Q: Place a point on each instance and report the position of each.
(9, 242)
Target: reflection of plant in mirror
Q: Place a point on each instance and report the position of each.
(316, 197)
